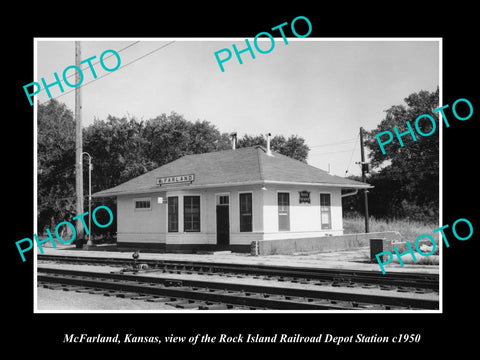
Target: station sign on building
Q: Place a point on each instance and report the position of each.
(175, 179)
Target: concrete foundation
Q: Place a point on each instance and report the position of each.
(183, 248)
(323, 244)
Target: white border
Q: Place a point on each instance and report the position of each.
(337, 39)
(35, 184)
(440, 174)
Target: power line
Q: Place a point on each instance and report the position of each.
(333, 152)
(346, 141)
(109, 73)
(106, 57)
(351, 157)
(147, 54)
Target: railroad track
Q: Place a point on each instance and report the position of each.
(402, 282)
(200, 292)
(276, 289)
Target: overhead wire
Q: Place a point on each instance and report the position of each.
(106, 57)
(336, 143)
(109, 73)
(341, 142)
(351, 156)
(333, 152)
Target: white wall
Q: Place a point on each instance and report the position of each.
(304, 218)
(150, 226)
(140, 225)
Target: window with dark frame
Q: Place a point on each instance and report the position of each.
(191, 213)
(142, 204)
(325, 211)
(283, 211)
(223, 200)
(172, 214)
(246, 212)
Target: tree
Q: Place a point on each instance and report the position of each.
(169, 137)
(408, 175)
(293, 147)
(116, 146)
(205, 137)
(55, 164)
(123, 149)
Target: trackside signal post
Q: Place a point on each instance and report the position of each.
(78, 147)
(364, 179)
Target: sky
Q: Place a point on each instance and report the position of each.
(323, 90)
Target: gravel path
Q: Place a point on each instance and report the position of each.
(59, 300)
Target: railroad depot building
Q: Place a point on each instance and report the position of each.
(224, 200)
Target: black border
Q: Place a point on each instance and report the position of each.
(44, 332)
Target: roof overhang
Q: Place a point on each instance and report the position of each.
(222, 185)
(342, 186)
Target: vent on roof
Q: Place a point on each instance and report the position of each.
(233, 139)
(269, 151)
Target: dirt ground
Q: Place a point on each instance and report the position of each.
(55, 300)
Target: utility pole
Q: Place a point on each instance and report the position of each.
(90, 168)
(78, 147)
(364, 179)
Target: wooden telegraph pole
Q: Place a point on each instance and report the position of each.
(364, 179)
(78, 147)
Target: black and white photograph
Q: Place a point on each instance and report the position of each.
(208, 183)
(274, 205)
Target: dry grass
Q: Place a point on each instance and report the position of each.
(409, 230)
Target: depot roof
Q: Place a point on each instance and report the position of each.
(244, 166)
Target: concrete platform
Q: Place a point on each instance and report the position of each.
(357, 259)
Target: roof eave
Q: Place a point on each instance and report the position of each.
(175, 188)
(256, 182)
(343, 186)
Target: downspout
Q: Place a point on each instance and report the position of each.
(355, 192)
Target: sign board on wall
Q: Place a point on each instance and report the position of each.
(175, 179)
(304, 197)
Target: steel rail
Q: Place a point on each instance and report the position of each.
(272, 297)
(403, 279)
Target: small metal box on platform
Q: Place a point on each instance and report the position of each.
(377, 246)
